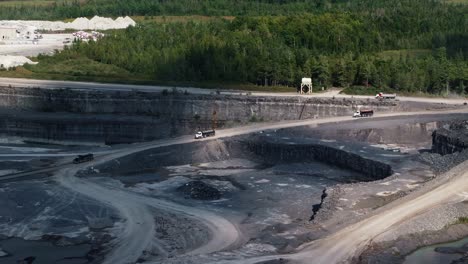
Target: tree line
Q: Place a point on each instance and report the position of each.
(418, 45)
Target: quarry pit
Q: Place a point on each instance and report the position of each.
(257, 192)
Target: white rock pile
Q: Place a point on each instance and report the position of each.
(7, 61)
(81, 23)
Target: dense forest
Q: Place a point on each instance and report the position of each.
(414, 46)
(61, 9)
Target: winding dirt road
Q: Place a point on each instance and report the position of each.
(138, 233)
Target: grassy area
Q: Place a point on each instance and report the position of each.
(412, 53)
(84, 69)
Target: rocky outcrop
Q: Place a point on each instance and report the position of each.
(451, 138)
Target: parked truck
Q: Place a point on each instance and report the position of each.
(382, 96)
(363, 113)
(204, 134)
(83, 158)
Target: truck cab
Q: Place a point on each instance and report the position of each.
(382, 96)
(357, 114)
(198, 135)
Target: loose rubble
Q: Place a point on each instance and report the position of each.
(200, 191)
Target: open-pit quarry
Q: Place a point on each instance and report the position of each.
(286, 179)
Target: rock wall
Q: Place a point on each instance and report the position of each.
(67, 114)
(76, 128)
(245, 147)
(450, 138)
(281, 152)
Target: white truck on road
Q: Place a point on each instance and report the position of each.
(204, 134)
(363, 113)
(382, 96)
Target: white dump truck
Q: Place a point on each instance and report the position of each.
(363, 113)
(382, 96)
(204, 134)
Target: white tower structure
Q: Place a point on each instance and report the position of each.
(306, 86)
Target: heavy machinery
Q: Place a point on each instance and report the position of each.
(204, 134)
(382, 96)
(83, 158)
(363, 113)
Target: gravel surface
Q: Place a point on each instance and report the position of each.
(200, 191)
(443, 163)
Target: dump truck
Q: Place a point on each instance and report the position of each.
(363, 113)
(83, 158)
(204, 134)
(382, 96)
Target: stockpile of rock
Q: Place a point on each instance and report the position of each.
(81, 23)
(451, 138)
(7, 61)
(449, 147)
(200, 191)
(442, 163)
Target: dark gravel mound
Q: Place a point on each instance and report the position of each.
(443, 163)
(449, 147)
(200, 191)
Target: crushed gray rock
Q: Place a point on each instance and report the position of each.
(200, 191)
(443, 163)
(450, 138)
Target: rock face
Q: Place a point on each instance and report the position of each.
(449, 147)
(373, 169)
(451, 138)
(120, 117)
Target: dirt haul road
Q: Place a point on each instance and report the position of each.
(46, 84)
(348, 243)
(138, 231)
(137, 234)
